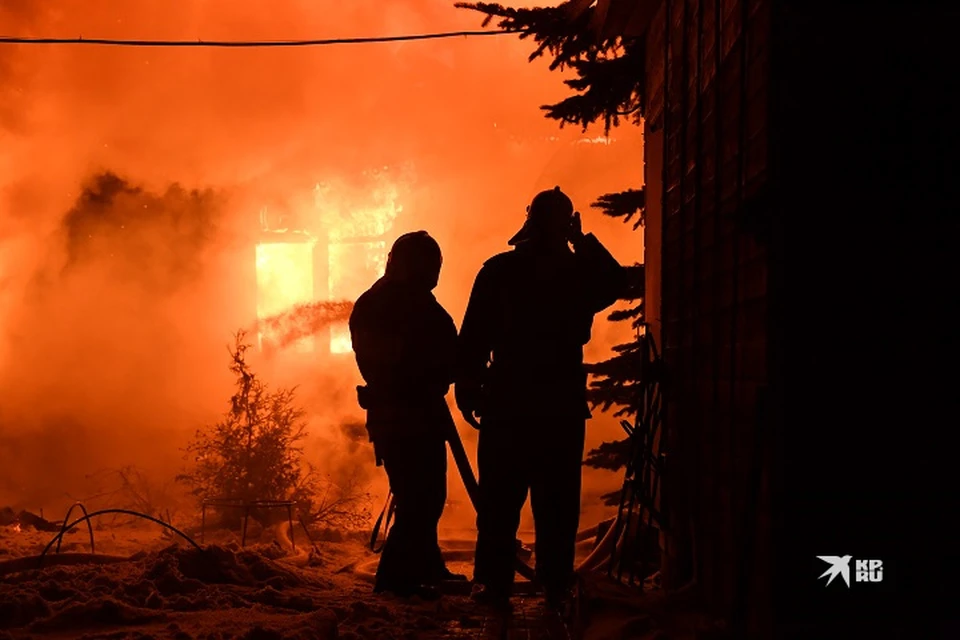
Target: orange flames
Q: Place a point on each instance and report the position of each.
(284, 280)
(111, 369)
(348, 237)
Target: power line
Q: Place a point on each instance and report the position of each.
(247, 43)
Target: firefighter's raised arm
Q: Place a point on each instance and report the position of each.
(605, 279)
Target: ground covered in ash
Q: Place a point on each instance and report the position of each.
(149, 585)
(261, 592)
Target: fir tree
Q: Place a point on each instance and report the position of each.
(608, 89)
(254, 452)
(609, 83)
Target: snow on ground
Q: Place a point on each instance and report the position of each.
(266, 591)
(172, 590)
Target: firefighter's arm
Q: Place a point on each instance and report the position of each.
(605, 278)
(438, 357)
(474, 345)
(376, 348)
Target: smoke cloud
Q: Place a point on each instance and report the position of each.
(131, 183)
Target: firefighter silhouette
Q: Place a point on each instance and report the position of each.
(405, 347)
(521, 382)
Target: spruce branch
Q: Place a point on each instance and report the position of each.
(608, 455)
(609, 80)
(628, 205)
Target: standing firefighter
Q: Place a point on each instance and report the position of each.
(405, 344)
(521, 374)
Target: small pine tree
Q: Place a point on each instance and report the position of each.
(608, 88)
(253, 452)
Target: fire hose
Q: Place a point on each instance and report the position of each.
(473, 492)
(601, 556)
(37, 562)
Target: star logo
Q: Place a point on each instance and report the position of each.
(839, 566)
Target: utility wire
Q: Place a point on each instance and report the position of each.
(248, 43)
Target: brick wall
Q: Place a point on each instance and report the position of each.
(709, 96)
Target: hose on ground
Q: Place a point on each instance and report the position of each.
(604, 550)
(129, 512)
(64, 528)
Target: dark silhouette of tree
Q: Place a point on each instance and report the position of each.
(608, 89)
(255, 453)
(610, 70)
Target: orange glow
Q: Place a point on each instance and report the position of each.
(340, 340)
(354, 266)
(118, 358)
(358, 250)
(354, 230)
(284, 279)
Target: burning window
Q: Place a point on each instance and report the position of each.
(341, 251)
(284, 279)
(357, 247)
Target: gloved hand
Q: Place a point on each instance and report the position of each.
(575, 232)
(468, 401)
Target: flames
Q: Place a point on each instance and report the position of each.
(338, 249)
(357, 243)
(285, 279)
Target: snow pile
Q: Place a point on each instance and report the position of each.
(160, 587)
(223, 592)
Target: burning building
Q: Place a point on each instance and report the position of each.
(289, 273)
(333, 253)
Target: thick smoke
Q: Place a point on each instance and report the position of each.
(157, 241)
(103, 356)
(131, 181)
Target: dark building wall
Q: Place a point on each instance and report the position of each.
(867, 225)
(707, 96)
(808, 306)
(652, 242)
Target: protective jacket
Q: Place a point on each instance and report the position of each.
(530, 313)
(405, 344)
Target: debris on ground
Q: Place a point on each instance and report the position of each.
(153, 590)
(10, 518)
